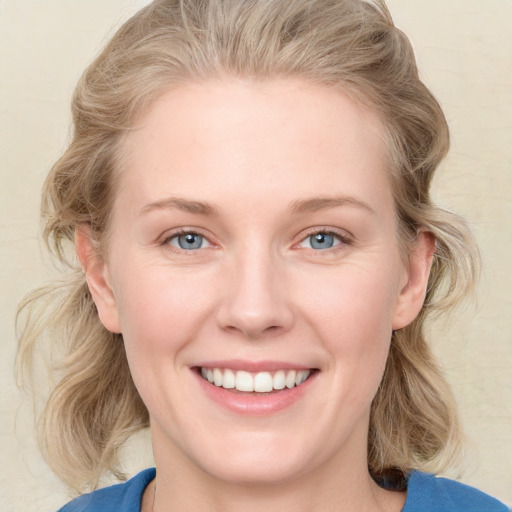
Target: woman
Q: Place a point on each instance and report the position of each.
(247, 190)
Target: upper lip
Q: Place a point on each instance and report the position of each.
(253, 366)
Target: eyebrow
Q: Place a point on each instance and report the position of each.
(186, 205)
(315, 204)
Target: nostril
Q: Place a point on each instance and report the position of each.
(254, 316)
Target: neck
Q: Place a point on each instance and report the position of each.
(179, 488)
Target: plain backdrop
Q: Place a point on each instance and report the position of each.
(464, 49)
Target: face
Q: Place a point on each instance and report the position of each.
(254, 271)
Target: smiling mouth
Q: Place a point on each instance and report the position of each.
(259, 382)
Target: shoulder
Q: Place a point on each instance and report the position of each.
(435, 494)
(124, 497)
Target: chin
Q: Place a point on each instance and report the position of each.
(255, 461)
(263, 473)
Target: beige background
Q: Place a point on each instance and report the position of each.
(464, 49)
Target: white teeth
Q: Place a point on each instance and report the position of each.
(302, 375)
(261, 382)
(244, 381)
(279, 381)
(229, 380)
(217, 377)
(290, 379)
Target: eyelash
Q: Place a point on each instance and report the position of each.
(343, 238)
(182, 232)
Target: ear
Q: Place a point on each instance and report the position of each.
(412, 294)
(96, 272)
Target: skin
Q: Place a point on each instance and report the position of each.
(276, 161)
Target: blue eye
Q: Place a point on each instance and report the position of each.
(321, 240)
(188, 241)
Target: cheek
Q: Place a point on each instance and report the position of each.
(160, 313)
(353, 300)
(161, 310)
(353, 317)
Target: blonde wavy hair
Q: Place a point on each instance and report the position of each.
(94, 407)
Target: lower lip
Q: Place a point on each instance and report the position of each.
(255, 404)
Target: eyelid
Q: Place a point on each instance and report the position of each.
(344, 237)
(164, 240)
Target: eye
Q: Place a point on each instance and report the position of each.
(322, 240)
(188, 241)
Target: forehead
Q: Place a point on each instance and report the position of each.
(285, 135)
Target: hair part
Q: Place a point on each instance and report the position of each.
(349, 44)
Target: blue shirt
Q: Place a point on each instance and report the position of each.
(425, 493)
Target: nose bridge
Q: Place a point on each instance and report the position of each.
(256, 303)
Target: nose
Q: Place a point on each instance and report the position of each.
(256, 303)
